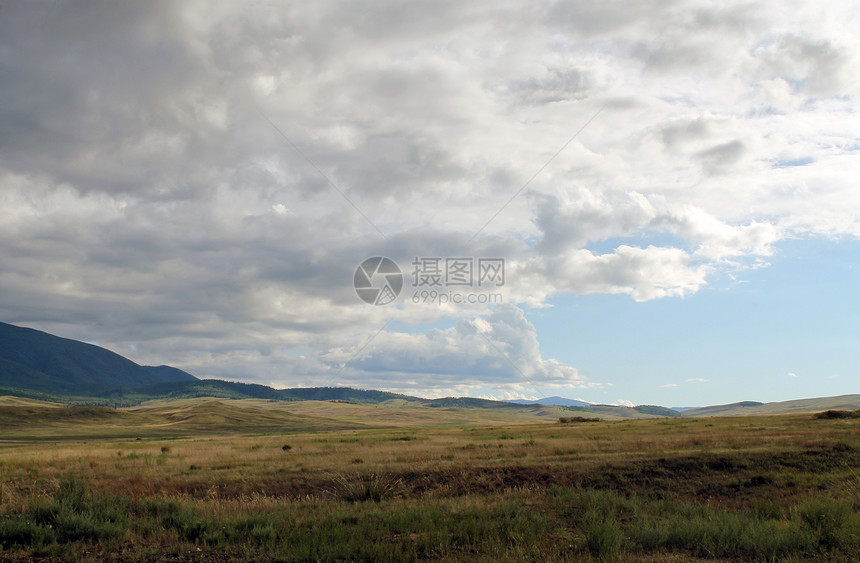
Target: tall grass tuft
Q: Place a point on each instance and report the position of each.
(361, 487)
(603, 537)
(72, 514)
(826, 519)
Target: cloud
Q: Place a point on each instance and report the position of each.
(195, 184)
(792, 374)
(644, 273)
(812, 65)
(624, 403)
(667, 385)
(499, 349)
(718, 159)
(698, 380)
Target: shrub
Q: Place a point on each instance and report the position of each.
(18, 533)
(571, 419)
(837, 414)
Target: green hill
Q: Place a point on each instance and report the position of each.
(470, 402)
(41, 366)
(37, 361)
(18, 376)
(219, 389)
(656, 410)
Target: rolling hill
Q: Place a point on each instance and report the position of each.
(37, 361)
(611, 412)
(46, 422)
(38, 365)
(747, 408)
(220, 389)
(557, 401)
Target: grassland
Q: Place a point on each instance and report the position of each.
(840, 402)
(358, 483)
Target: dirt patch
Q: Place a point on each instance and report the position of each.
(705, 476)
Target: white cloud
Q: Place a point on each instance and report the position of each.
(500, 349)
(624, 403)
(668, 385)
(792, 374)
(698, 380)
(147, 202)
(644, 273)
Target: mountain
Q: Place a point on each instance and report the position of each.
(557, 401)
(37, 361)
(745, 408)
(615, 411)
(219, 389)
(656, 410)
(39, 365)
(470, 402)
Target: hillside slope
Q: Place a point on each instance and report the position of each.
(840, 402)
(217, 388)
(37, 361)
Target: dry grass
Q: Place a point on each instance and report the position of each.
(445, 476)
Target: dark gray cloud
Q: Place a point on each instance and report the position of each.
(719, 158)
(195, 183)
(812, 65)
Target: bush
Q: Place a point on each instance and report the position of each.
(19, 533)
(571, 419)
(837, 414)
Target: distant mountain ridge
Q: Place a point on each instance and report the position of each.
(221, 389)
(747, 408)
(557, 401)
(576, 404)
(42, 366)
(34, 360)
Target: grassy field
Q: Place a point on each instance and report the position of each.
(766, 488)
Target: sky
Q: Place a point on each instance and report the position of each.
(626, 203)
